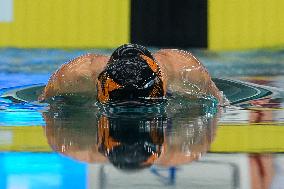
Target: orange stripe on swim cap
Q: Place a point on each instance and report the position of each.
(103, 90)
(152, 64)
(155, 68)
(111, 85)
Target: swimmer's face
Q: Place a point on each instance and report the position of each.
(131, 74)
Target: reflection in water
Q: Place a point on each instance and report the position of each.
(75, 133)
(135, 137)
(262, 166)
(261, 170)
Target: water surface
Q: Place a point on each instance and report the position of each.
(171, 146)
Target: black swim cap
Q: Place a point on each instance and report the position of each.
(130, 50)
(132, 74)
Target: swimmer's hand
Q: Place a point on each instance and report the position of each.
(186, 74)
(77, 77)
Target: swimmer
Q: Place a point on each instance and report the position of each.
(131, 73)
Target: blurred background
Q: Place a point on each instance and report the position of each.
(211, 24)
(241, 40)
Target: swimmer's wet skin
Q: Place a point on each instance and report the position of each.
(131, 74)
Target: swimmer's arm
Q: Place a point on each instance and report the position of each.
(183, 69)
(76, 77)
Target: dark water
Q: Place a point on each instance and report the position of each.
(179, 144)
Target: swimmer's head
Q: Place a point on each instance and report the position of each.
(132, 74)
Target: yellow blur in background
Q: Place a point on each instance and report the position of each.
(230, 138)
(66, 23)
(106, 24)
(245, 24)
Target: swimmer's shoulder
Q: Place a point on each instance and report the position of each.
(184, 70)
(79, 65)
(75, 76)
(94, 61)
(175, 59)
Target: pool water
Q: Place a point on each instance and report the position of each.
(176, 145)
